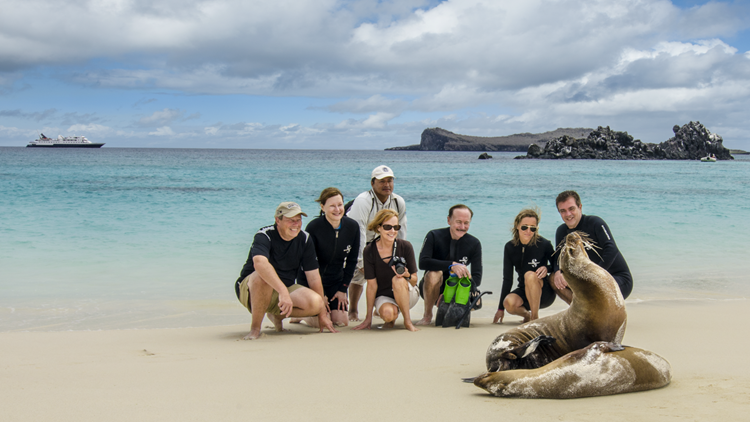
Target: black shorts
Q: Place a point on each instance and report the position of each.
(547, 299)
(333, 303)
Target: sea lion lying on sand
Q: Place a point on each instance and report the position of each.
(600, 369)
(597, 313)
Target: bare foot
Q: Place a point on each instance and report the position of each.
(424, 321)
(411, 327)
(278, 322)
(387, 325)
(527, 317)
(353, 316)
(252, 335)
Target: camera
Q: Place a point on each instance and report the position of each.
(399, 263)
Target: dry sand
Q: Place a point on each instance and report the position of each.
(209, 374)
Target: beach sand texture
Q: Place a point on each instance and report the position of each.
(206, 374)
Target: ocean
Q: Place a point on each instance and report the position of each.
(118, 238)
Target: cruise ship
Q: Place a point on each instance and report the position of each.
(63, 142)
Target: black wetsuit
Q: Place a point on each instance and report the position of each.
(439, 251)
(286, 257)
(606, 255)
(337, 251)
(525, 258)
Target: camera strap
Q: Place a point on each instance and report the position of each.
(393, 255)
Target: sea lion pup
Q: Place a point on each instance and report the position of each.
(600, 369)
(597, 313)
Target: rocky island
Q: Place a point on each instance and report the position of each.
(437, 139)
(690, 142)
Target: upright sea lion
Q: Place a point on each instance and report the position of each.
(597, 313)
(600, 369)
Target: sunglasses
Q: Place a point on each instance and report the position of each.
(388, 227)
(532, 228)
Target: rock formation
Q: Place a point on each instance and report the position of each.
(691, 142)
(437, 139)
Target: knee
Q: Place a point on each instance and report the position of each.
(399, 284)
(433, 278)
(388, 312)
(316, 302)
(532, 280)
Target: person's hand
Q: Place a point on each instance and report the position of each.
(460, 270)
(541, 272)
(365, 325)
(285, 304)
(343, 301)
(560, 282)
(499, 315)
(324, 321)
(405, 275)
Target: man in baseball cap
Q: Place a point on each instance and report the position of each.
(363, 210)
(267, 282)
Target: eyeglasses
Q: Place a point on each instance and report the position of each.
(532, 228)
(388, 227)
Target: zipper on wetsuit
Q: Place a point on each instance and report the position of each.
(335, 242)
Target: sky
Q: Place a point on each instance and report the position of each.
(328, 74)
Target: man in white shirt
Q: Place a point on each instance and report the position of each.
(364, 208)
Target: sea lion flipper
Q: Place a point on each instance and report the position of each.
(532, 345)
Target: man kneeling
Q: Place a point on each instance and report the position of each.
(266, 283)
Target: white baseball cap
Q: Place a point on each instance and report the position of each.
(381, 172)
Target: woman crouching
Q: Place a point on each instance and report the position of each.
(391, 273)
(529, 254)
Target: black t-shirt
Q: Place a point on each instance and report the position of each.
(286, 257)
(337, 251)
(381, 271)
(439, 251)
(523, 258)
(608, 256)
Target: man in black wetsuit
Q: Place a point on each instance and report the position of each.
(608, 256)
(446, 250)
(267, 282)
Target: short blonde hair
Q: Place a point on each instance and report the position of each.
(381, 217)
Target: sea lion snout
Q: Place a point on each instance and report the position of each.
(492, 382)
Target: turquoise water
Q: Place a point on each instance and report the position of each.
(132, 238)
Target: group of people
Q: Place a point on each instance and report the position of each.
(317, 275)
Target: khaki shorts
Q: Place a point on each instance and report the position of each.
(273, 305)
(358, 278)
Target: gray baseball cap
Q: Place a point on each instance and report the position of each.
(288, 210)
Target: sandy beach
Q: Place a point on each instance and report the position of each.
(198, 374)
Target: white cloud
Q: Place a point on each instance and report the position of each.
(162, 131)
(161, 117)
(88, 128)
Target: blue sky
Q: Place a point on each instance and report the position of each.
(327, 74)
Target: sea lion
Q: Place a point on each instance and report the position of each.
(597, 313)
(600, 369)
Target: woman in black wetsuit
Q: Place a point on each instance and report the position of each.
(336, 240)
(529, 254)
